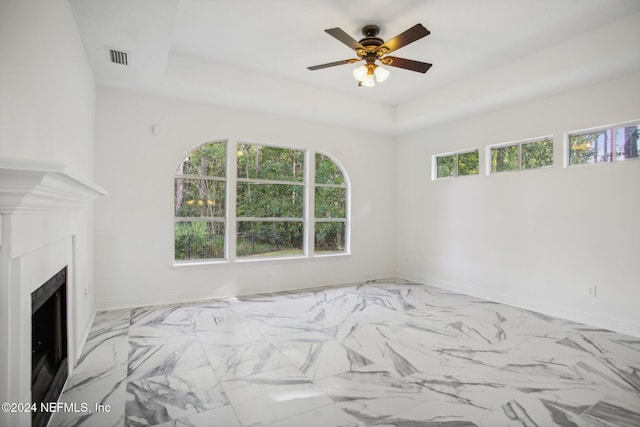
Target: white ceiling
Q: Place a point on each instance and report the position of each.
(253, 53)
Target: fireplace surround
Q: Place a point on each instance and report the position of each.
(49, 364)
(45, 227)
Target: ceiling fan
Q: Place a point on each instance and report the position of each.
(372, 48)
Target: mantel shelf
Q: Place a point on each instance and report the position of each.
(38, 187)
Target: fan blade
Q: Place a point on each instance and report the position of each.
(332, 64)
(412, 34)
(407, 64)
(344, 38)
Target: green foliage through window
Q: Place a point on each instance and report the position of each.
(330, 237)
(206, 160)
(262, 192)
(458, 164)
(270, 163)
(331, 202)
(269, 209)
(196, 240)
(199, 198)
(260, 200)
(327, 172)
(525, 155)
(537, 154)
(468, 163)
(199, 192)
(447, 166)
(330, 207)
(269, 238)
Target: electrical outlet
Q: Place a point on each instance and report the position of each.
(592, 291)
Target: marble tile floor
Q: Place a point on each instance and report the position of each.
(381, 353)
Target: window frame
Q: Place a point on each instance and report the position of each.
(519, 144)
(231, 219)
(270, 182)
(611, 129)
(205, 219)
(347, 218)
(457, 154)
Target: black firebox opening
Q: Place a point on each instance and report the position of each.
(49, 368)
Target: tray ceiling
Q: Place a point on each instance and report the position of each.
(253, 54)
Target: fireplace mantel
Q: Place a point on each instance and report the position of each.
(42, 209)
(36, 186)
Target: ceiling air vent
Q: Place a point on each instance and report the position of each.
(119, 56)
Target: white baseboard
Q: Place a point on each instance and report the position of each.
(610, 323)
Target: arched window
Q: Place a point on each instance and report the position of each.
(331, 198)
(200, 203)
(285, 202)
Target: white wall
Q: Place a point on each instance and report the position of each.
(47, 105)
(134, 224)
(535, 239)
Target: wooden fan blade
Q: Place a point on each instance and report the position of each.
(412, 34)
(407, 64)
(332, 64)
(344, 38)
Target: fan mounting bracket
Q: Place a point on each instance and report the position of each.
(370, 30)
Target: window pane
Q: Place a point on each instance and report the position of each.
(330, 237)
(269, 238)
(468, 163)
(199, 240)
(327, 172)
(537, 154)
(269, 200)
(206, 160)
(446, 166)
(331, 202)
(263, 162)
(199, 198)
(627, 142)
(504, 159)
(594, 147)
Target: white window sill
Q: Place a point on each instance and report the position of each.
(213, 262)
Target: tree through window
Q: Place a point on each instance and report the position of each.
(457, 164)
(270, 201)
(200, 203)
(522, 155)
(273, 190)
(330, 207)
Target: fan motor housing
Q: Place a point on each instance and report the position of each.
(370, 33)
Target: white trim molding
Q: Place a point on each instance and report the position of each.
(35, 186)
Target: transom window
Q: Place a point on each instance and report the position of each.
(530, 154)
(601, 145)
(278, 208)
(456, 164)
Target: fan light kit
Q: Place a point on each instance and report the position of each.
(372, 48)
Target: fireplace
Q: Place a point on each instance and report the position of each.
(45, 212)
(49, 366)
